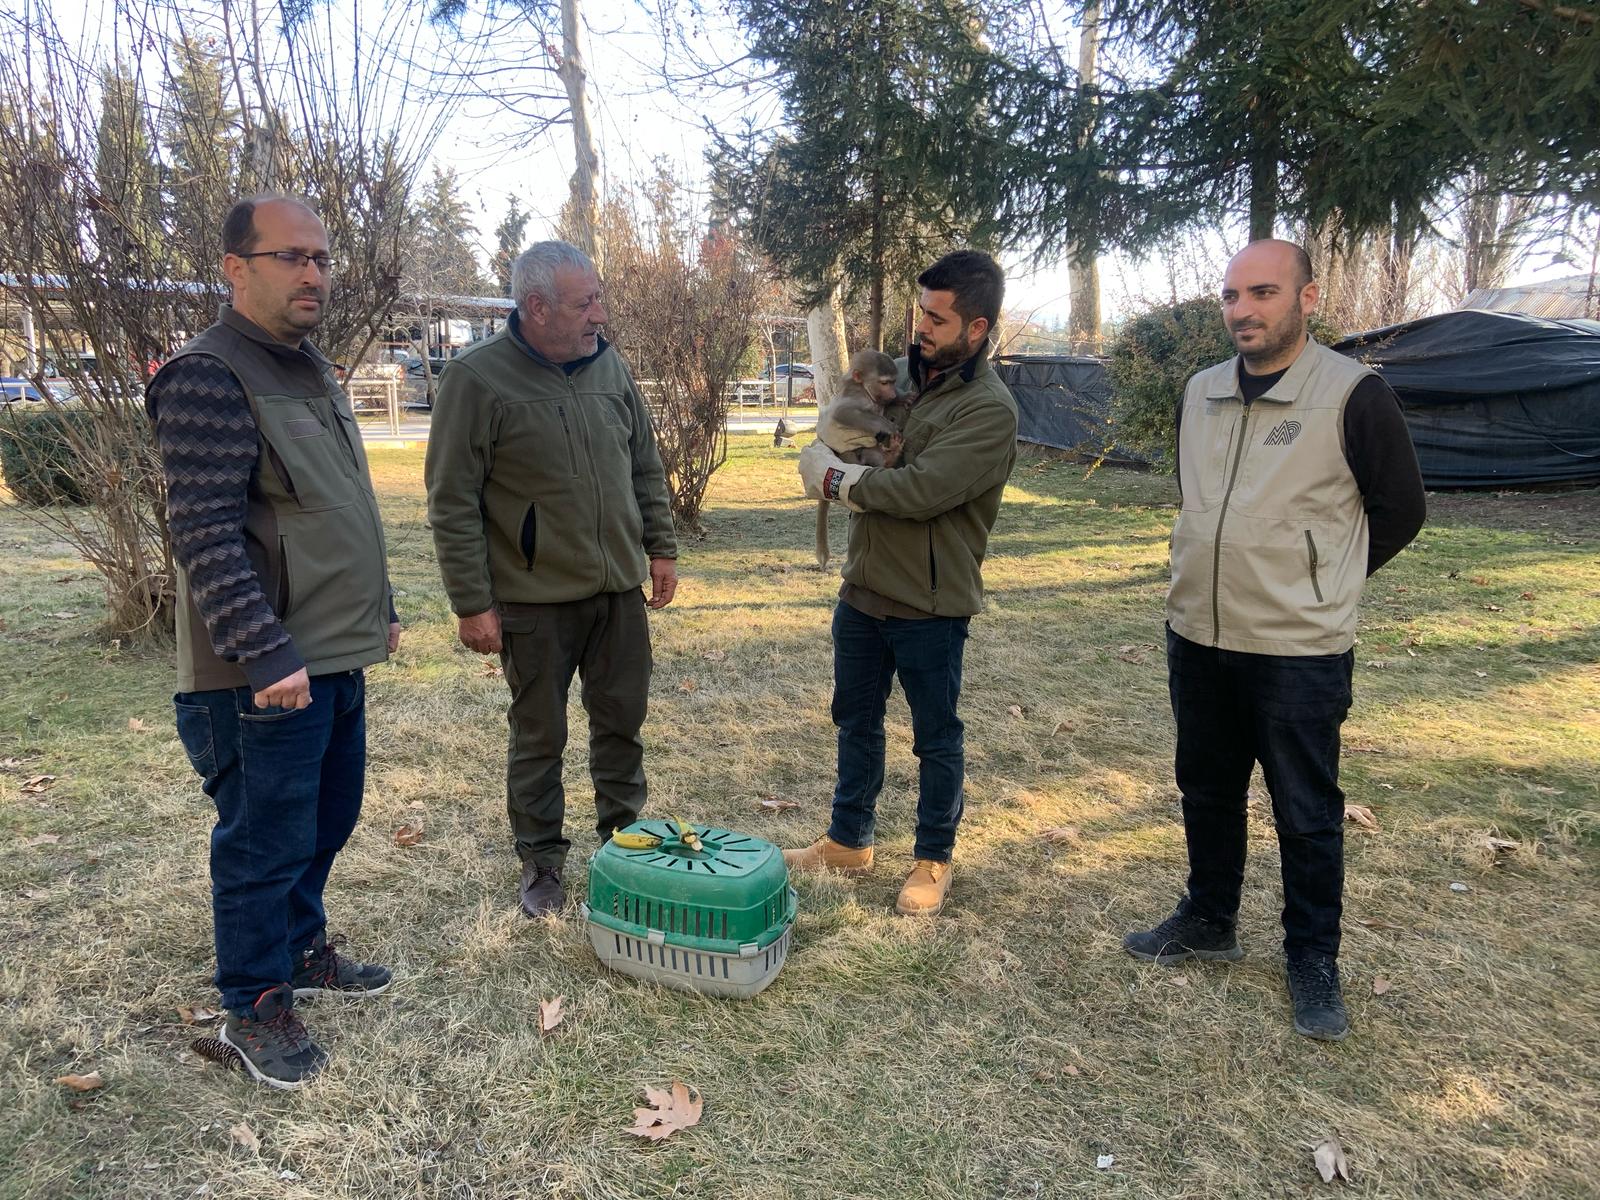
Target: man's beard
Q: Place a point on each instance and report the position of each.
(957, 351)
(1275, 339)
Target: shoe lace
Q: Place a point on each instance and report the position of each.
(1316, 980)
(324, 964)
(283, 1032)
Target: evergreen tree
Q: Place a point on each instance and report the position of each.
(127, 210)
(510, 236)
(200, 135)
(442, 258)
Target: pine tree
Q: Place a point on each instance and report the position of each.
(509, 235)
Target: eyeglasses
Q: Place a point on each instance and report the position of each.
(293, 258)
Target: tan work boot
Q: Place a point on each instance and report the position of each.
(825, 854)
(925, 890)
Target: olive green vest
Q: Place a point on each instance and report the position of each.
(1269, 553)
(312, 532)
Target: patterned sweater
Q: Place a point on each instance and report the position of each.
(209, 447)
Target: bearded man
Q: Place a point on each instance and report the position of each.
(1297, 481)
(912, 575)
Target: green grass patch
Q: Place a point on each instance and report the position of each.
(994, 1052)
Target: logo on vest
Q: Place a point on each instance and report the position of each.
(1285, 433)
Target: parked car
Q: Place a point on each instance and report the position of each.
(13, 389)
(414, 366)
(783, 371)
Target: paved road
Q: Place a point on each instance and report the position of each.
(414, 424)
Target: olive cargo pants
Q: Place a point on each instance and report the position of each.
(606, 640)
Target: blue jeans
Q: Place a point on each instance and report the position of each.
(1283, 711)
(287, 786)
(868, 654)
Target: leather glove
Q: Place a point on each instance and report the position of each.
(827, 477)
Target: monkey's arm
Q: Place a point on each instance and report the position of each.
(852, 423)
(965, 459)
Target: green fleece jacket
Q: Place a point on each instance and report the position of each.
(544, 483)
(924, 525)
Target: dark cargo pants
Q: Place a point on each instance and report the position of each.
(606, 640)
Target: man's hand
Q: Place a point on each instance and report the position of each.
(481, 633)
(394, 636)
(663, 582)
(292, 691)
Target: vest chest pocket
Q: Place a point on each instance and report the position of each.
(305, 453)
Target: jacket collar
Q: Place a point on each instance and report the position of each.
(967, 371)
(239, 323)
(1225, 384)
(514, 331)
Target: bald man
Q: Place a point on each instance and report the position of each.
(1298, 481)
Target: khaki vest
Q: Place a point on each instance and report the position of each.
(312, 531)
(1269, 552)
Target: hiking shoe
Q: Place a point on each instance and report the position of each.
(541, 890)
(1182, 936)
(925, 889)
(825, 854)
(1319, 1010)
(323, 971)
(272, 1043)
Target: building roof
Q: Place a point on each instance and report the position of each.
(1573, 296)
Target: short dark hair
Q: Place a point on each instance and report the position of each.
(239, 226)
(974, 279)
(1302, 266)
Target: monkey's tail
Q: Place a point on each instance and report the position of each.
(822, 534)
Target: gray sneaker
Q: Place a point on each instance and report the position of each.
(1319, 1010)
(273, 1045)
(323, 971)
(1182, 936)
(541, 890)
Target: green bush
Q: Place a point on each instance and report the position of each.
(37, 457)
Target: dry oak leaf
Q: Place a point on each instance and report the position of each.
(669, 1111)
(714, 655)
(407, 835)
(1060, 835)
(82, 1083)
(1014, 710)
(490, 670)
(38, 783)
(778, 805)
(1380, 985)
(688, 685)
(197, 1015)
(244, 1136)
(550, 1014)
(1361, 815)
(1330, 1160)
(1061, 727)
(135, 725)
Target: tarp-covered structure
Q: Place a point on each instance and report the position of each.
(1063, 401)
(1494, 399)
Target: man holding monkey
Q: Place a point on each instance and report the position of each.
(912, 575)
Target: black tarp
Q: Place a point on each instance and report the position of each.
(1063, 401)
(1494, 399)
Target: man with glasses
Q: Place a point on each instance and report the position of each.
(283, 599)
(549, 510)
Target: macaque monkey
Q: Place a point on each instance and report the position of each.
(856, 423)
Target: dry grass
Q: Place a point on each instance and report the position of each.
(993, 1053)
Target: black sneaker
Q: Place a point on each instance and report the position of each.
(541, 890)
(323, 971)
(1319, 1010)
(272, 1043)
(1182, 936)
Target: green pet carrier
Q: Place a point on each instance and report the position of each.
(691, 907)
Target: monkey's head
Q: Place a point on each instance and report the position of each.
(875, 371)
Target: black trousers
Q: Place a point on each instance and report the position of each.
(1283, 711)
(606, 641)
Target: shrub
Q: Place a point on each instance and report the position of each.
(39, 455)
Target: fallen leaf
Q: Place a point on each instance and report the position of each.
(1380, 985)
(1134, 654)
(491, 670)
(244, 1136)
(688, 685)
(714, 655)
(669, 1112)
(417, 804)
(289, 1176)
(777, 805)
(1527, 595)
(1105, 1162)
(1480, 581)
(1014, 710)
(63, 616)
(1070, 1069)
(550, 1014)
(1458, 886)
(34, 894)
(10, 764)
(1061, 835)
(1378, 664)
(1499, 844)
(1061, 727)
(1493, 608)
(82, 1083)
(1330, 1160)
(407, 835)
(197, 1015)
(1178, 979)
(1388, 787)
(1371, 923)
(1481, 674)
(38, 783)
(43, 839)
(1361, 815)
(135, 725)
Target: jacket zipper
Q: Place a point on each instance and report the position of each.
(282, 473)
(594, 474)
(1216, 547)
(933, 566)
(285, 584)
(1311, 549)
(530, 534)
(566, 428)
